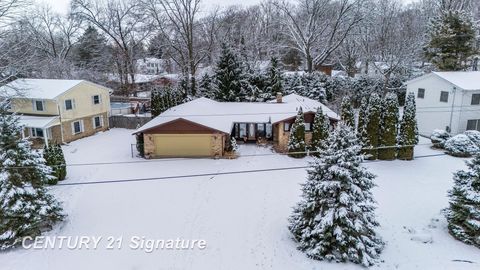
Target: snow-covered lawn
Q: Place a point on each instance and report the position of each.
(243, 217)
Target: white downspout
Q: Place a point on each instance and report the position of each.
(453, 106)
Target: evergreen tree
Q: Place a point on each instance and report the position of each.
(347, 114)
(335, 219)
(463, 215)
(27, 208)
(274, 78)
(320, 131)
(374, 111)
(164, 99)
(229, 77)
(452, 40)
(90, 50)
(362, 123)
(53, 155)
(408, 134)
(205, 86)
(389, 128)
(296, 140)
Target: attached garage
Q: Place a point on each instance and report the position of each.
(183, 138)
(186, 145)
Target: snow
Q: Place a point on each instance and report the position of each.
(39, 88)
(243, 217)
(466, 80)
(222, 115)
(37, 121)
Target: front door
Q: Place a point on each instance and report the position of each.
(251, 131)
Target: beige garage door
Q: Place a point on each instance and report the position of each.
(183, 145)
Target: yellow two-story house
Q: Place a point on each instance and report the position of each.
(59, 111)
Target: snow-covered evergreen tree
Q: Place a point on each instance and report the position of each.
(362, 121)
(296, 139)
(164, 99)
(205, 86)
(335, 220)
(320, 131)
(53, 155)
(374, 112)
(274, 78)
(463, 215)
(229, 77)
(26, 207)
(389, 128)
(451, 40)
(408, 134)
(347, 114)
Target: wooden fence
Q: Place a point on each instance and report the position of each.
(130, 122)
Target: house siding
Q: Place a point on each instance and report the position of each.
(433, 114)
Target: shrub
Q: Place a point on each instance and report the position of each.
(461, 146)
(474, 136)
(439, 137)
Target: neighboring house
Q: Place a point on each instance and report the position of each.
(59, 111)
(447, 100)
(204, 127)
(151, 65)
(144, 83)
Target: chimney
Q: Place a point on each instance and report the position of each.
(279, 97)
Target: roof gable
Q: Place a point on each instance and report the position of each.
(41, 88)
(466, 80)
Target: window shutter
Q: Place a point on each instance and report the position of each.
(73, 128)
(73, 103)
(81, 126)
(33, 105)
(100, 99)
(101, 120)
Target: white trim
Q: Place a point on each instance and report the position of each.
(81, 127)
(101, 121)
(34, 104)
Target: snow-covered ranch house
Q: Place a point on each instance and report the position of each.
(204, 127)
(447, 100)
(58, 111)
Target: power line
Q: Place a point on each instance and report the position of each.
(205, 158)
(208, 174)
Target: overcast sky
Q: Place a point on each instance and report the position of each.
(62, 5)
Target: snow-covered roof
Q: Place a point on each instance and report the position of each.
(38, 121)
(38, 88)
(145, 78)
(222, 115)
(466, 80)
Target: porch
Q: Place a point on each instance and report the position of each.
(41, 129)
(252, 132)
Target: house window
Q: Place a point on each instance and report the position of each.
(308, 127)
(261, 130)
(473, 124)
(421, 93)
(39, 105)
(242, 130)
(269, 130)
(97, 122)
(475, 99)
(286, 127)
(443, 96)
(96, 99)
(68, 104)
(36, 132)
(77, 127)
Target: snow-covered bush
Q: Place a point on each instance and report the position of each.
(233, 147)
(474, 136)
(461, 146)
(439, 137)
(463, 215)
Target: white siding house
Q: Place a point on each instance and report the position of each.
(447, 100)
